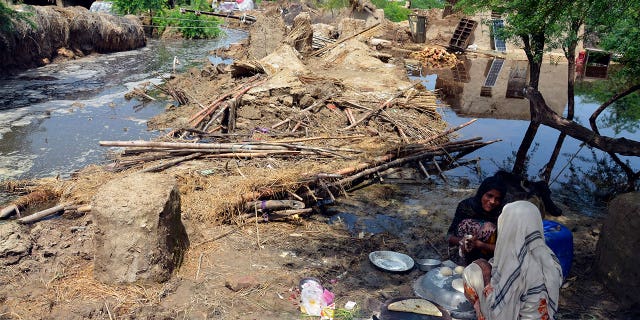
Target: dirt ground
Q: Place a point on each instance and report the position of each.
(251, 270)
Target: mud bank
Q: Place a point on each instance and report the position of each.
(65, 32)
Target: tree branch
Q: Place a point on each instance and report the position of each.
(541, 113)
(594, 116)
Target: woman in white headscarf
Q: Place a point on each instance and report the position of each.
(524, 278)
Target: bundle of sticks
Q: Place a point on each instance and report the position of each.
(320, 188)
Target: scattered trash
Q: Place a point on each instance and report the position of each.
(316, 300)
(207, 172)
(350, 305)
(285, 254)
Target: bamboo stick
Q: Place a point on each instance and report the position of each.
(380, 108)
(359, 136)
(168, 164)
(274, 204)
(401, 161)
(8, 210)
(329, 47)
(43, 214)
(185, 145)
(251, 155)
(238, 91)
(287, 213)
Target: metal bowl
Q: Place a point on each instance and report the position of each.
(428, 264)
(391, 261)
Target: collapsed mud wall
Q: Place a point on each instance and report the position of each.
(52, 28)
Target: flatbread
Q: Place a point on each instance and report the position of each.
(458, 284)
(420, 306)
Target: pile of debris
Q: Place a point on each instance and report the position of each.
(286, 122)
(435, 58)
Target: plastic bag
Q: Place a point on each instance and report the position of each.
(244, 5)
(313, 301)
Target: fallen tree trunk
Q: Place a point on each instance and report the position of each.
(541, 113)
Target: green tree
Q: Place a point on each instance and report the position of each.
(531, 22)
(427, 4)
(392, 10)
(189, 24)
(541, 25)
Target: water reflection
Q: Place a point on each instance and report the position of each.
(378, 223)
(580, 174)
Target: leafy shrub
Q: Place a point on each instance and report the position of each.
(189, 24)
(138, 6)
(8, 16)
(427, 4)
(393, 11)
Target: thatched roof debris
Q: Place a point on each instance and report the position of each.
(75, 28)
(301, 35)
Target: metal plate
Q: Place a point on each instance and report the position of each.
(391, 261)
(438, 289)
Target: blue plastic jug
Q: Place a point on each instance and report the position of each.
(560, 240)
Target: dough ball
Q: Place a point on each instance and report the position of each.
(459, 269)
(446, 271)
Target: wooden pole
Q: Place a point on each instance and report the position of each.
(43, 214)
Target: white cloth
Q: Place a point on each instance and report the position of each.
(244, 5)
(526, 274)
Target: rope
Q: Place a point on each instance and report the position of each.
(567, 164)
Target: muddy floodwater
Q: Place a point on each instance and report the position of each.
(51, 118)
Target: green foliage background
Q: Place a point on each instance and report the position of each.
(138, 6)
(393, 11)
(190, 25)
(427, 4)
(622, 115)
(8, 16)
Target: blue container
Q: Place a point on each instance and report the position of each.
(560, 240)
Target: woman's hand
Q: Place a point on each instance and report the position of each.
(468, 243)
(480, 245)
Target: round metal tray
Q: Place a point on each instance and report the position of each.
(438, 289)
(391, 261)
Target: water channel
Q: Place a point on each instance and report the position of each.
(51, 118)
